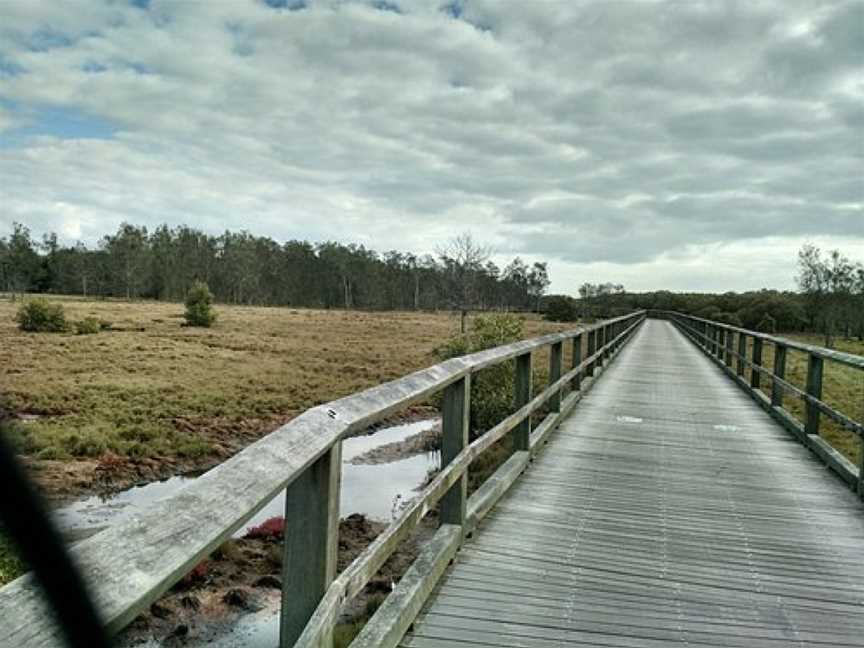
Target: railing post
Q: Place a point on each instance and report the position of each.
(601, 340)
(814, 389)
(721, 343)
(577, 360)
(755, 376)
(861, 467)
(779, 372)
(607, 339)
(592, 349)
(455, 422)
(522, 395)
(311, 542)
(712, 338)
(730, 346)
(556, 351)
(742, 352)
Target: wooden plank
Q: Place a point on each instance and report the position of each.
(311, 542)
(398, 611)
(485, 497)
(523, 385)
(455, 424)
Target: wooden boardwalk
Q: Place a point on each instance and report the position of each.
(668, 509)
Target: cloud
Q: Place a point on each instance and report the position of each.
(613, 139)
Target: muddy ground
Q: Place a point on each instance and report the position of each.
(244, 575)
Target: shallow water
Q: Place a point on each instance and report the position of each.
(375, 490)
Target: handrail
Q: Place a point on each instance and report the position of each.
(716, 340)
(130, 564)
(849, 359)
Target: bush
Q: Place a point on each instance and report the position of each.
(492, 388)
(41, 316)
(561, 308)
(199, 309)
(87, 326)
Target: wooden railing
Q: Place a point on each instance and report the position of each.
(130, 564)
(728, 346)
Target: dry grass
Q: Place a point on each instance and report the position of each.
(154, 388)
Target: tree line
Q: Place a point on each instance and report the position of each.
(830, 301)
(241, 268)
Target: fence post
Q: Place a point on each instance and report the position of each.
(455, 418)
(779, 372)
(556, 351)
(730, 346)
(861, 467)
(522, 387)
(311, 543)
(577, 360)
(814, 389)
(742, 352)
(601, 340)
(592, 348)
(755, 376)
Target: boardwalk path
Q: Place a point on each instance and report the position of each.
(669, 509)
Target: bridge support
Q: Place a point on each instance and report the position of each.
(592, 349)
(814, 389)
(577, 360)
(455, 417)
(522, 387)
(311, 542)
(755, 376)
(556, 351)
(779, 372)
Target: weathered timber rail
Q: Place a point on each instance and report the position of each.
(129, 565)
(728, 346)
(668, 509)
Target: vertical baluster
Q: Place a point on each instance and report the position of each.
(577, 360)
(755, 376)
(523, 388)
(455, 417)
(556, 352)
(311, 542)
(742, 353)
(779, 372)
(601, 340)
(814, 389)
(592, 349)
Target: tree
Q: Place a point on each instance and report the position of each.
(538, 282)
(199, 306)
(463, 259)
(829, 286)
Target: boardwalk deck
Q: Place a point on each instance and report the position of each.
(669, 509)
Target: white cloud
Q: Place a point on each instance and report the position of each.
(605, 137)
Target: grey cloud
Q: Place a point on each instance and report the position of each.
(590, 133)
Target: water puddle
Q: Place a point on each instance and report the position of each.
(376, 490)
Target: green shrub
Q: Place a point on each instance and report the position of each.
(561, 308)
(87, 326)
(492, 388)
(41, 316)
(199, 308)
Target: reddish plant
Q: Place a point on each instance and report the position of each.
(196, 575)
(270, 529)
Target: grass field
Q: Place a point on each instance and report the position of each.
(152, 388)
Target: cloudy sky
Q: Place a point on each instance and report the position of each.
(685, 146)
